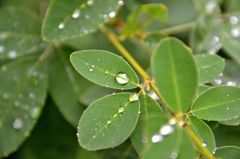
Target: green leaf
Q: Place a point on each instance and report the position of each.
(219, 103)
(19, 33)
(150, 112)
(66, 87)
(143, 16)
(231, 122)
(66, 20)
(105, 69)
(30, 4)
(175, 73)
(108, 122)
(152, 40)
(204, 133)
(23, 91)
(202, 88)
(209, 67)
(228, 152)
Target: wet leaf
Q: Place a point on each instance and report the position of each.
(105, 69)
(23, 91)
(103, 124)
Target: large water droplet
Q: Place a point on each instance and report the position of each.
(122, 78)
(2, 49)
(76, 14)
(61, 26)
(133, 97)
(204, 144)
(12, 54)
(120, 2)
(121, 109)
(112, 14)
(233, 20)
(157, 138)
(166, 130)
(231, 83)
(90, 3)
(235, 32)
(17, 123)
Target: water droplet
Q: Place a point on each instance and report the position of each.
(204, 144)
(2, 49)
(12, 54)
(106, 72)
(109, 122)
(120, 2)
(90, 3)
(172, 121)
(17, 123)
(215, 45)
(122, 78)
(153, 95)
(112, 14)
(157, 138)
(35, 112)
(235, 32)
(173, 155)
(133, 97)
(61, 26)
(233, 20)
(77, 134)
(139, 112)
(115, 115)
(166, 130)
(31, 95)
(121, 109)
(217, 81)
(90, 69)
(76, 14)
(210, 7)
(231, 83)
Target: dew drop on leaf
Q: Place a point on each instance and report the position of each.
(35, 112)
(122, 78)
(210, 7)
(166, 130)
(233, 20)
(231, 83)
(121, 109)
(153, 95)
(12, 54)
(204, 144)
(235, 32)
(109, 122)
(90, 3)
(112, 14)
(157, 138)
(2, 49)
(215, 45)
(173, 155)
(172, 121)
(17, 123)
(61, 26)
(76, 14)
(133, 97)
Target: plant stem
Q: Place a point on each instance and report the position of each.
(194, 137)
(114, 40)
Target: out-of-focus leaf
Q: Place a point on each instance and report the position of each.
(104, 68)
(19, 33)
(175, 73)
(108, 122)
(23, 91)
(228, 152)
(66, 20)
(29, 4)
(209, 67)
(143, 16)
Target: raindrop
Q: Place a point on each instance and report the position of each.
(115, 115)
(90, 69)
(204, 144)
(172, 121)
(157, 138)
(231, 83)
(76, 14)
(35, 112)
(112, 14)
(12, 54)
(211, 6)
(109, 122)
(120, 2)
(61, 26)
(121, 109)
(235, 32)
(17, 123)
(90, 3)
(166, 130)
(174, 155)
(215, 45)
(133, 97)
(233, 20)
(2, 49)
(122, 78)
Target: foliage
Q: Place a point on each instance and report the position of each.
(127, 79)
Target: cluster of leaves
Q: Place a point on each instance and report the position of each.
(171, 113)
